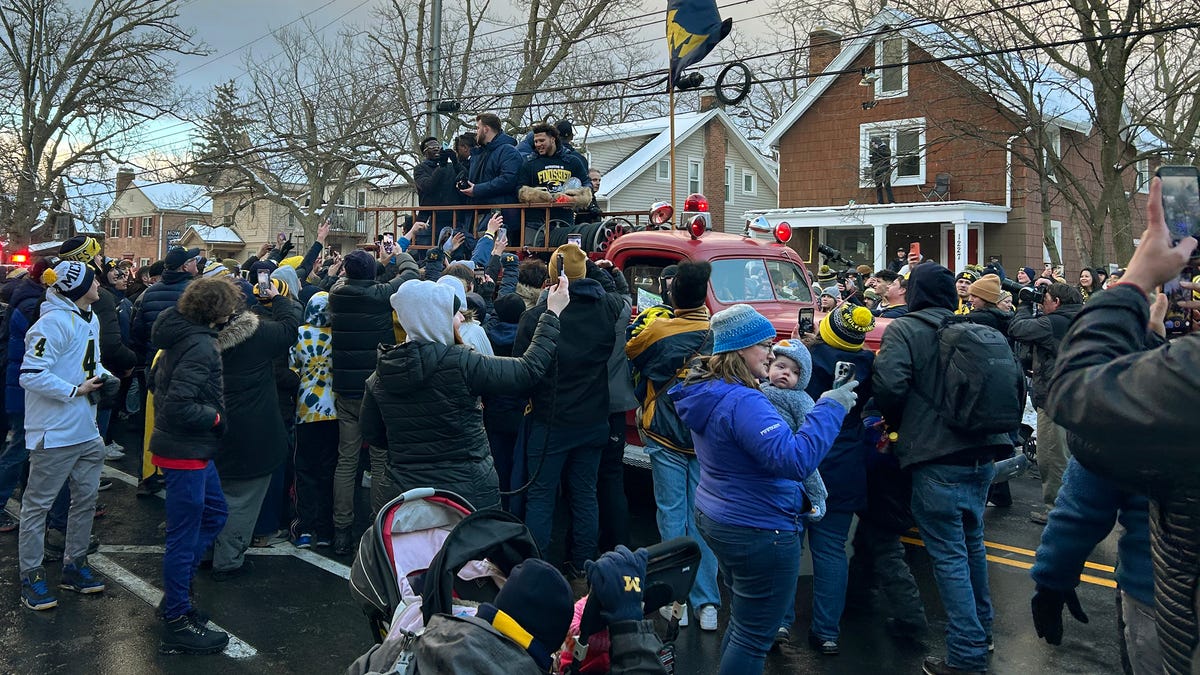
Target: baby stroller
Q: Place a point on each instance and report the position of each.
(427, 551)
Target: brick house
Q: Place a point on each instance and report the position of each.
(147, 217)
(991, 205)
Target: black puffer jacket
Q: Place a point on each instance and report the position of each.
(422, 404)
(360, 315)
(256, 443)
(163, 294)
(1042, 334)
(114, 354)
(905, 375)
(1130, 415)
(186, 382)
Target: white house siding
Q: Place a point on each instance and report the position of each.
(767, 196)
(607, 154)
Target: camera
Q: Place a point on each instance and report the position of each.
(832, 254)
(462, 183)
(1024, 294)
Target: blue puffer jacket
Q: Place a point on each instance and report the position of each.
(494, 169)
(751, 463)
(1084, 514)
(22, 312)
(844, 469)
(152, 302)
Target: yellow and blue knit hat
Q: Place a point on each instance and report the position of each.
(846, 327)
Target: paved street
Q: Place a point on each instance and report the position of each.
(293, 613)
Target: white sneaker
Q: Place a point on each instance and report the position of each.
(665, 611)
(708, 617)
(113, 451)
(366, 480)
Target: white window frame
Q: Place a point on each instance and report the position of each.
(147, 226)
(129, 228)
(753, 176)
(891, 128)
(729, 171)
(114, 228)
(1054, 138)
(1056, 228)
(662, 170)
(699, 165)
(1142, 175)
(879, 62)
(143, 262)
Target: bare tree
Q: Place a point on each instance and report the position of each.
(1165, 91)
(76, 85)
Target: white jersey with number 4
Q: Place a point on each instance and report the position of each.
(62, 350)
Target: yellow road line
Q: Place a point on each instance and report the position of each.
(1021, 564)
(1024, 551)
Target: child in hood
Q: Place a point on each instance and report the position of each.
(790, 370)
(316, 425)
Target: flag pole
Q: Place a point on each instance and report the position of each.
(671, 125)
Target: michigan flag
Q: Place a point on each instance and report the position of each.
(694, 27)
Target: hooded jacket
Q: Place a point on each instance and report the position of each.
(62, 349)
(906, 372)
(493, 170)
(312, 359)
(162, 294)
(360, 316)
(751, 463)
(117, 357)
(658, 353)
(1042, 334)
(422, 404)
(255, 443)
(22, 311)
(188, 389)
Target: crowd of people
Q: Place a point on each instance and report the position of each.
(270, 386)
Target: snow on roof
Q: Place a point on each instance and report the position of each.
(218, 234)
(88, 200)
(177, 196)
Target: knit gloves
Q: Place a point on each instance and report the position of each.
(616, 581)
(843, 395)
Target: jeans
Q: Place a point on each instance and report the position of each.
(573, 453)
(827, 544)
(761, 567)
(948, 503)
(12, 460)
(675, 478)
(502, 445)
(196, 512)
(49, 469)
(1052, 455)
(1141, 636)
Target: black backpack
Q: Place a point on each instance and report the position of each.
(981, 389)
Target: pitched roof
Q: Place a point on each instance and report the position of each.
(87, 200)
(177, 196)
(218, 234)
(1066, 102)
(659, 144)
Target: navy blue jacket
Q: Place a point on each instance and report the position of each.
(26, 301)
(494, 168)
(844, 469)
(163, 294)
(1084, 514)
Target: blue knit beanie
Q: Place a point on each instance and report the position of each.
(739, 326)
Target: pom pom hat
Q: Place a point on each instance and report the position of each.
(846, 327)
(70, 278)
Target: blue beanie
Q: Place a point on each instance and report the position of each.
(739, 326)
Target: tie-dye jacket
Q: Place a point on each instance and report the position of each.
(312, 359)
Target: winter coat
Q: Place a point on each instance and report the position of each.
(61, 351)
(159, 296)
(1042, 334)
(493, 170)
(1113, 394)
(991, 316)
(793, 405)
(905, 378)
(575, 388)
(188, 389)
(658, 353)
(422, 404)
(844, 469)
(360, 315)
(1087, 508)
(22, 312)
(751, 463)
(256, 441)
(549, 175)
(312, 359)
(117, 357)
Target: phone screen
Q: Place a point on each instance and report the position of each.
(1178, 320)
(1181, 200)
(805, 320)
(576, 239)
(264, 280)
(389, 239)
(502, 233)
(561, 269)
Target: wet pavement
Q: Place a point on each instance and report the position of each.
(293, 613)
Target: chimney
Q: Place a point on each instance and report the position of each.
(124, 178)
(708, 102)
(823, 47)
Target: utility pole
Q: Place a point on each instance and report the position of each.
(435, 70)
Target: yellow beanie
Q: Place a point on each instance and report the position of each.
(846, 327)
(574, 261)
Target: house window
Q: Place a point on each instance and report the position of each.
(1053, 150)
(663, 173)
(892, 81)
(227, 209)
(143, 262)
(1143, 175)
(905, 140)
(749, 182)
(1056, 228)
(695, 172)
(728, 183)
(147, 227)
(114, 228)
(362, 198)
(129, 227)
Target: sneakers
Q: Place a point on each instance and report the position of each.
(35, 593)
(114, 451)
(304, 541)
(343, 541)
(708, 617)
(782, 637)
(826, 647)
(665, 611)
(105, 483)
(1039, 517)
(936, 666)
(184, 635)
(7, 522)
(78, 576)
(150, 486)
(991, 644)
(323, 541)
(56, 543)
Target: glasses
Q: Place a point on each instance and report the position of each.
(765, 344)
(120, 273)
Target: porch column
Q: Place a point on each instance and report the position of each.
(880, 248)
(959, 257)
